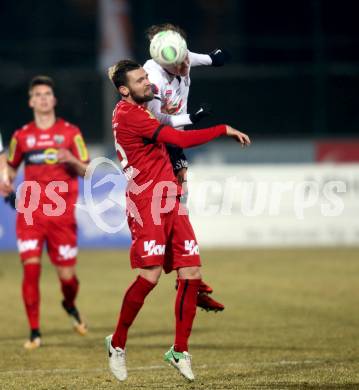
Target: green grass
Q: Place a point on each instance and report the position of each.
(291, 321)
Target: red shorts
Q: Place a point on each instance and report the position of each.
(60, 236)
(166, 239)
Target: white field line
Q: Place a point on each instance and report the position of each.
(159, 367)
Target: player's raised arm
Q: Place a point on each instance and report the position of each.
(217, 57)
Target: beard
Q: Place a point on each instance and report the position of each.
(140, 99)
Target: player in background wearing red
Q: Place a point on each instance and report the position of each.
(162, 235)
(54, 154)
(171, 86)
(4, 176)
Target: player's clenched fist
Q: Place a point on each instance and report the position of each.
(238, 136)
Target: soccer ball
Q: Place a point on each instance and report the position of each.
(168, 48)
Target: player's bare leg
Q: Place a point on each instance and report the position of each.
(69, 287)
(131, 305)
(31, 297)
(189, 280)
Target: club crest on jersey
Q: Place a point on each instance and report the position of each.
(30, 141)
(59, 139)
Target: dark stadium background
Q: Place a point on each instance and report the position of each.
(294, 70)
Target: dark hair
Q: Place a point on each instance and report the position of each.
(156, 28)
(41, 80)
(118, 73)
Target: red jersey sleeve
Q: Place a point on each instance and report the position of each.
(78, 147)
(15, 156)
(189, 138)
(146, 125)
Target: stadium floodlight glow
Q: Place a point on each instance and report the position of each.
(168, 48)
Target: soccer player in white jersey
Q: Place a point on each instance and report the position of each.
(171, 88)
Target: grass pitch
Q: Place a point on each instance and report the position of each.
(291, 321)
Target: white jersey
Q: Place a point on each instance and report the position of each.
(170, 90)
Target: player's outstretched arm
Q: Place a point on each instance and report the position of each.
(217, 57)
(190, 138)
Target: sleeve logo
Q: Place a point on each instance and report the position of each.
(81, 147)
(12, 149)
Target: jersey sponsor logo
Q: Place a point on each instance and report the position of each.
(47, 156)
(50, 156)
(30, 141)
(168, 92)
(81, 147)
(191, 247)
(59, 139)
(44, 136)
(153, 249)
(27, 245)
(12, 149)
(49, 142)
(67, 252)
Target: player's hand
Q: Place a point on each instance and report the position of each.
(65, 156)
(11, 199)
(203, 111)
(219, 57)
(240, 137)
(5, 188)
(169, 109)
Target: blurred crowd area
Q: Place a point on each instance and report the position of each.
(293, 77)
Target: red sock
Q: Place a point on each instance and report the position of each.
(185, 310)
(131, 305)
(69, 288)
(31, 293)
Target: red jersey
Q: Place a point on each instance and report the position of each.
(38, 149)
(140, 144)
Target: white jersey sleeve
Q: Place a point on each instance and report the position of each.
(158, 79)
(165, 119)
(196, 59)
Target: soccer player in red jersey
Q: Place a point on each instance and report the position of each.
(4, 177)
(162, 235)
(54, 154)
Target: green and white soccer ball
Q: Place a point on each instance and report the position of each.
(168, 48)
